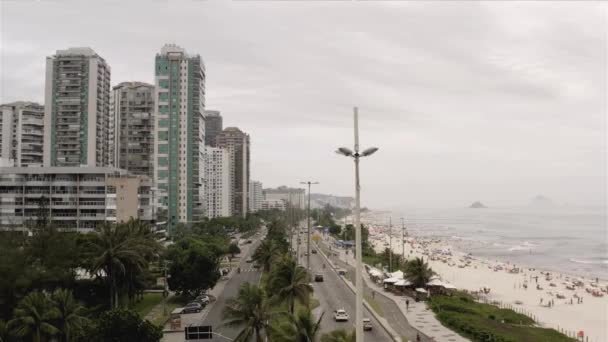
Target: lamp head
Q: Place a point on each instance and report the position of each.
(369, 151)
(344, 151)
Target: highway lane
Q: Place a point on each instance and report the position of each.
(214, 315)
(334, 294)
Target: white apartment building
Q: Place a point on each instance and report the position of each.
(218, 185)
(272, 204)
(296, 197)
(21, 134)
(179, 133)
(72, 198)
(256, 196)
(76, 114)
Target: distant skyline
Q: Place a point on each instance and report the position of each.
(473, 101)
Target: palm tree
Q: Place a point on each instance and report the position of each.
(4, 332)
(289, 282)
(114, 250)
(70, 313)
(301, 328)
(251, 310)
(267, 251)
(340, 335)
(33, 316)
(418, 272)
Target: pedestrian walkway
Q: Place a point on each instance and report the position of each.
(417, 314)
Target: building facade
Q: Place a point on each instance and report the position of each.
(179, 133)
(132, 128)
(238, 143)
(256, 196)
(218, 185)
(77, 108)
(72, 198)
(291, 196)
(213, 126)
(21, 134)
(272, 204)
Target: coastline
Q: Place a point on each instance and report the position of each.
(454, 264)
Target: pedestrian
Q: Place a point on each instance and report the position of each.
(570, 301)
(407, 304)
(373, 294)
(541, 301)
(417, 337)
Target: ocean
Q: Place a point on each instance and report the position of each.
(565, 239)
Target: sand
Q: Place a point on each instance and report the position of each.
(590, 316)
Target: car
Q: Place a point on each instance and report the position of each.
(256, 265)
(367, 324)
(342, 272)
(249, 260)
(249, 241)
(340, 315)
(314, 251)
(192, 308)
(202, 299)
(318, 277)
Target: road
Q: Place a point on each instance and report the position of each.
(392, 313)
(213, 316)
(334, 294)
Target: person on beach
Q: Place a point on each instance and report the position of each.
(541, 301)
(407, 305)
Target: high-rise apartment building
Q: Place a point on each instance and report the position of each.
(21, 134)
(77, 108)
(238, 143)
(180, 133)
(132, 128)
(294, 197)
(256, 196)
(213, 126)
(218, 185)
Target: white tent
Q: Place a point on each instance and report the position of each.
(449, 286)
(390, 280)
(435, 282)
(421, 290)
(375, 273)
(398, 275)
(403, 282)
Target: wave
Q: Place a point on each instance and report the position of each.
(594, 262)
(526, 245)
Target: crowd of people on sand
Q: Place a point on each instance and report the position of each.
(577, 302)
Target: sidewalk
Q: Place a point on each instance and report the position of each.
(418, 315)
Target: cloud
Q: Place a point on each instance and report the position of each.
(500, 100)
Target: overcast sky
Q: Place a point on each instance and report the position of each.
(496, 102)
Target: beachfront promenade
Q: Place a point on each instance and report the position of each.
(416, 319)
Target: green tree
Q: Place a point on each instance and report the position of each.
(303, 327)
(121, 252)
(233, 249)
(121, 325)
(193, 265)
(70, 313)
(4, 331)
(340, 335)
(289, 282)
(267, 252)
(33, 317)
(250, 310)
(418, 272)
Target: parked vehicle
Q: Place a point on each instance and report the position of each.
(340, 315)
(192, 308)
(249, 260)
(318, 277)
(202, 299)
(367, 324)
(314, 251)
(342, 272)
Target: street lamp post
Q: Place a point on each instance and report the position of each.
(403, 238)
(308, 216)
(358, 276)
(390, 244)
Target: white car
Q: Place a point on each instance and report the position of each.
(340, 315)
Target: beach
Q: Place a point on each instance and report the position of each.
(550, 297)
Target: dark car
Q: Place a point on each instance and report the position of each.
(318, 277)
(314, 251)
(249, 241)
(192, 308)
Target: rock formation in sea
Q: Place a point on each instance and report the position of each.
(477, 205)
